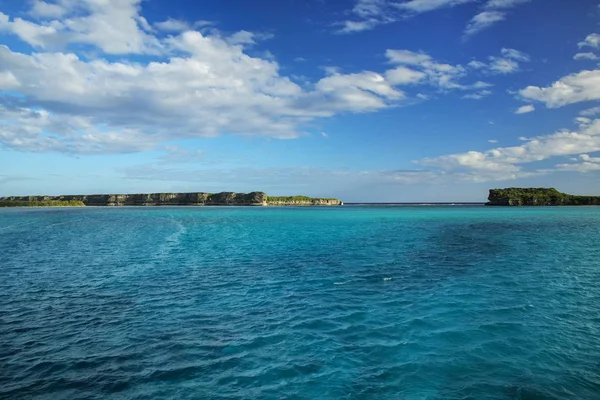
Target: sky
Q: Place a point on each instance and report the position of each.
(364, 100)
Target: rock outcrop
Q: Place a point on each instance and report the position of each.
(156, 199)
(169, 199)
(538, 197)
(302, 201)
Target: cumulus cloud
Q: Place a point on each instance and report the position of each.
(115, 26)
(585, 56)
(590, 112)
(202, 84)
(213, 87)
(574, 88)
(586, 164)
(525, 109)
(507, 63)
(592, 40)
(404, 76)
(441, 75)
(41, 9)
(172, 25)
(359, 26)
(508, 161)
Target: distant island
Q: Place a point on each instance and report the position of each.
(538, 197)
(167, 199)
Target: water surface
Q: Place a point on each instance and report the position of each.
(300, 303)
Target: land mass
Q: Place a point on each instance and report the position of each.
(538, 197)
(167, 199)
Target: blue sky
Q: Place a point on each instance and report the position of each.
(367, 100)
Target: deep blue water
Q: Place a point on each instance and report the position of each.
(300, 303)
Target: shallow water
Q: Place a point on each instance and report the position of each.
(300, 303)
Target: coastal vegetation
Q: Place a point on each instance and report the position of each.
(167, 199)
(42, 203)
(538, 197)
(302, 201)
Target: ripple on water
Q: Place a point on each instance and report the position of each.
(344, 303)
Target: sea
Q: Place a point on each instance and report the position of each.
(352, 302)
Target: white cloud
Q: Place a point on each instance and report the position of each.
(114, 26)
(504, 3)
(420, 6)
(359, 26)
(525, 109)
(407, 57)
(590, 112)
(242, 37)
(203, 85)
(478, 95)
(592, 40)
(503, 66)
(477, 64)
(516, 55)
(179, 25)
(583, 121)
(368, 14)
(483, 21)
(507, 63)
(440, 75)
(492, 141)
(324, 134)
(508, 161)
(404, 76)
(211, 88)
(587, 164)
(42, 9)
(574, 88)
(358, 92)
(585, 56)
(369, 8)
(173, 25)
(494, 11)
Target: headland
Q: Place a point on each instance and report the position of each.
(538, 197)
(167, 199)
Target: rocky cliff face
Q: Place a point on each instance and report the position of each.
(158, 199)
(537, 197)
(178, 199)
(309, 202)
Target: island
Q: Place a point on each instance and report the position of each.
(538, 197)
(167, 199)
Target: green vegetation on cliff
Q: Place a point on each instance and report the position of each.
(43, 203)
(538, 197)
(166, 199)
(301, 201)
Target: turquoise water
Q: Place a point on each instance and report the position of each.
(300, 303)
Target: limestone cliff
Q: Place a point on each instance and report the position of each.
(168, 199)
(538, 197)
(156, 199)
(302, 201)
